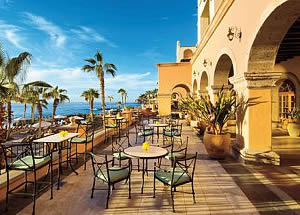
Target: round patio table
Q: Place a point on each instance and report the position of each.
(153, 152)
(157, 126)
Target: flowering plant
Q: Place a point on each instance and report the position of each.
(145, 146)
(63, 133)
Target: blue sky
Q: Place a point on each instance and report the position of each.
(132, 34)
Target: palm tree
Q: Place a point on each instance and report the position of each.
(110, 98)
(36, 96)
(97, 65)
(14, 68)
(89, 96)
(123, 94)
(58, 96)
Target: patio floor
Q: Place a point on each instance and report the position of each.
(222, 187)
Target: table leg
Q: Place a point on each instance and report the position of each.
(143, 176)
(59, 166)
(69, 160)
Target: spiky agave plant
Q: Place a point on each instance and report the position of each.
(216, 115)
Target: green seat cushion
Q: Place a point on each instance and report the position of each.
(21, 163)
(166, 177)
(145, 133)
(111, 126)
(121, 155)
(171, 134)
(172, 156)
(115, 173)
(81, 139)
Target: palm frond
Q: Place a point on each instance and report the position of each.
(91, 60)
(88, 68)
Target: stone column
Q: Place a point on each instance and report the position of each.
(164, 104)
(254, 117)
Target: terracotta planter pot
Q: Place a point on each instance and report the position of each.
(217, 146)
(293, 129)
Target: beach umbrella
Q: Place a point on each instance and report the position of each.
(20, 119)
(44, 124)
(78, 118)
(59, 117)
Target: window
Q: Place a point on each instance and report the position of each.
(287, 98)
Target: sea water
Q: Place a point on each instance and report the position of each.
(68, 108)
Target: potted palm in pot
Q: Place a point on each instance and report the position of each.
(293, 126)
(216, 140)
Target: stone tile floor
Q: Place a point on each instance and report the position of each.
(222, 187)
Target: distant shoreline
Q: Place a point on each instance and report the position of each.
(69, 108)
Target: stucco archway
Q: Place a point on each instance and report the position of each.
(203, 83)
(223, 71)
(187, 54)
(266, 44)
(195, 88)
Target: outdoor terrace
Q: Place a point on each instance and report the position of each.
(222, 187)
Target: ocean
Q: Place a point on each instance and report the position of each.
(67, 108)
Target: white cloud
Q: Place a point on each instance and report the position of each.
(86, 33)
(75, 81)
(55, 32)
(11, 33)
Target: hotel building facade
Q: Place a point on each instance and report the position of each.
(254, 47)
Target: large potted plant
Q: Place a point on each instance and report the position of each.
(293, 126)
(216, 115)
(190, 106)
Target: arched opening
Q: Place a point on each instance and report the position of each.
(266, 46)
(276, 42)
(175, 98)
(187, 54)
(223, 71)
(203, 84)
(195, 88)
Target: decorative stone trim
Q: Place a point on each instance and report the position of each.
(163, 95)
(256, 80)
(215, 88)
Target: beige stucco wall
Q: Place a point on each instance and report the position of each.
(263, 24)
(171, 76)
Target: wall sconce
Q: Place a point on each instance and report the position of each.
(206, 62)
(234, 32)
(194, 73)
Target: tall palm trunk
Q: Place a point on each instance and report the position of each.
(54, 109)
(32, 113)
(125, 101)
(102, 93)
(9, 118)
(24, 113)
(40, 110)
(92, 109)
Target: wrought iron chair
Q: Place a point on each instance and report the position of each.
(173, 132)
(105, 171)
(141, 130)
(109, 124)
(28, 158)
(175, 151)
(87, 136)
(181, 173)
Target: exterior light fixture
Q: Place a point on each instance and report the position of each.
(206, 62)
(234, 32)
(194, 73)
